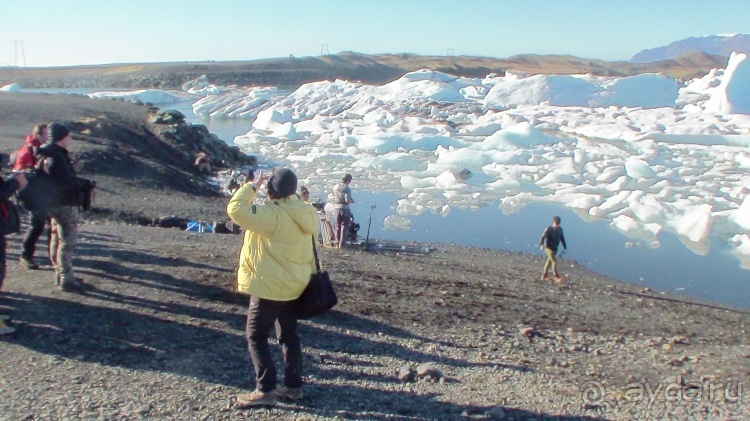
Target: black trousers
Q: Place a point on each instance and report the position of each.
(261, 316)
(36, 228)
(3, 246)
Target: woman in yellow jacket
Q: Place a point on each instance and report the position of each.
(275, 266)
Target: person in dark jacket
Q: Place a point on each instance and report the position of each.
(550, 241)
(64, 198)
(26, 160)
(7, 189)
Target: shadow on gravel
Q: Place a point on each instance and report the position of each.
(349, 321)
(118, 337)
(349, 402)
(137, 257)
(332, 341)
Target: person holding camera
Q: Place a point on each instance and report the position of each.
(65, 196)
(276, 261)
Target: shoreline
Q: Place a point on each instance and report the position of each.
(159, 330)
(651, 292)
(592, 243)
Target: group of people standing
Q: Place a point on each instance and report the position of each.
(44, 177)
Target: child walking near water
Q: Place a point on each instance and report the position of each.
(549, 243)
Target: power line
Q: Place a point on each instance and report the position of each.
(23, 53)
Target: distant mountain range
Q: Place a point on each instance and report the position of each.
(290, 72)
(712, 44)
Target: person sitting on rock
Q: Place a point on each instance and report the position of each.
(203, 162)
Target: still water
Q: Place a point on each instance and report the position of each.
(672, 267)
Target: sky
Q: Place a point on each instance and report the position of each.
(40, 33)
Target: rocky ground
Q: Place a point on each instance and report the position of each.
(456, 333)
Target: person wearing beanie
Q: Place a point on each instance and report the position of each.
(57, 132)
(62, 202)
(276, 262)
(342, 195)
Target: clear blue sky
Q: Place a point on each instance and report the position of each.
(75, 32)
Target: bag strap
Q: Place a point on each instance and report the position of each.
(315, 252)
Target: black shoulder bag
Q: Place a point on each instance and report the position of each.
(319, 295)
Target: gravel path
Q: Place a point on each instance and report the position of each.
(159, 335)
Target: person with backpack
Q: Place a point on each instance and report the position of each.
(7, 189)
(342, 195)
(65, 195)
(27, 160)
(550, 241)
(276, 261)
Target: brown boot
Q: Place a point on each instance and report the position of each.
(257, 398)
(28, 263)
(292, 393)
(544, 277)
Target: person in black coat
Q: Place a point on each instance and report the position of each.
(7, 189)
(63, 199)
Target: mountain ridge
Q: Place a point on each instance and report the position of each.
(371, 69)
(712, 44)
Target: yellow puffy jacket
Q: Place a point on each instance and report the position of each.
(276, 259)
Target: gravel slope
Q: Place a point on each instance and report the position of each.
(159, 335)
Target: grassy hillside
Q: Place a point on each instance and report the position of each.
(371, 69)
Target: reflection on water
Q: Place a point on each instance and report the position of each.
(226, 128)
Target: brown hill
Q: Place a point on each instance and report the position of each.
(373, 69)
